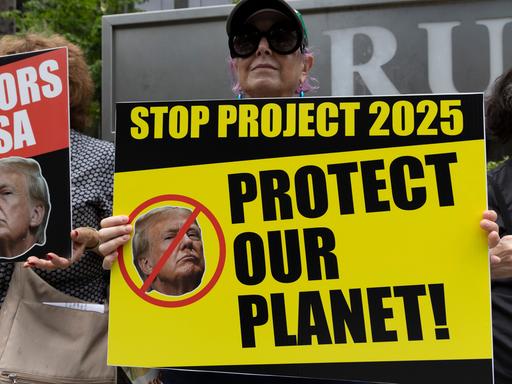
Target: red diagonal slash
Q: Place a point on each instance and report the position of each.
(169, 250)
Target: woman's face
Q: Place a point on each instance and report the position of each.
(268, 74)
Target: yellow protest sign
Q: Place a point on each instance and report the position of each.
(299, 231)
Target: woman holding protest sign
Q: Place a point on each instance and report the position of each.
(66, 305)
(269, 58)
(90, 159)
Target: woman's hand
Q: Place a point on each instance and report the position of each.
(488, 224)
(83, 238)
(114, 233)
(503, 252)
(500, 250)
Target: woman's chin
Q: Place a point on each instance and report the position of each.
(265, 88)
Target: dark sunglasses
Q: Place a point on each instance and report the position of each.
(282, 38)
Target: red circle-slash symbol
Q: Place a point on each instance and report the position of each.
(198, 208)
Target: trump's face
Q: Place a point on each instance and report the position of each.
(17, 214)
(185, 267)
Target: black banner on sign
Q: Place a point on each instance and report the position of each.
(172, 134)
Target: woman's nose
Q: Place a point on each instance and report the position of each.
(263, 46)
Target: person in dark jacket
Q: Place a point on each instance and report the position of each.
(499, 122)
